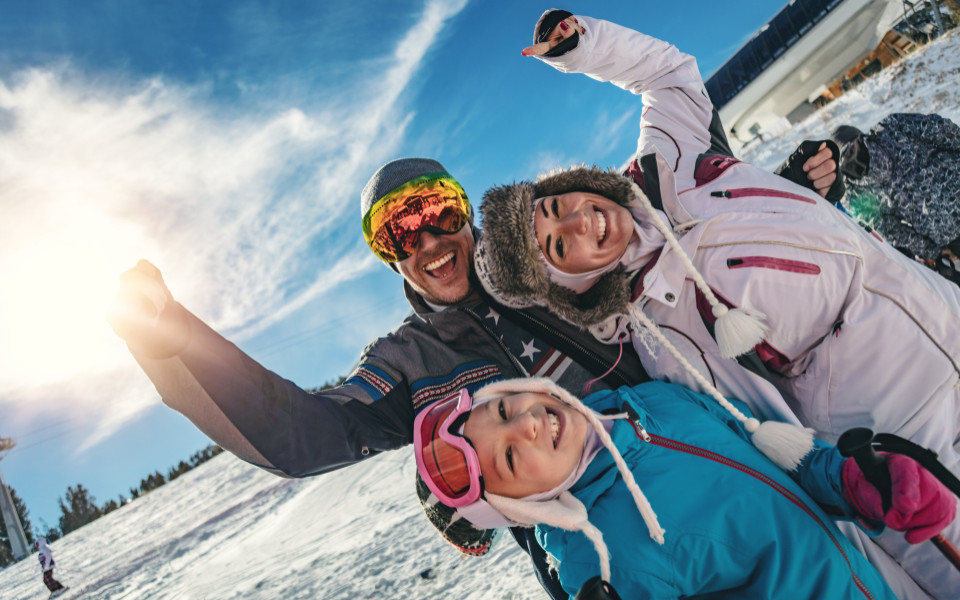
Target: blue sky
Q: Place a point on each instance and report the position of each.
(227, 142)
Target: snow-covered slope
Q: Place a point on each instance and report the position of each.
(927, 81)
(229, 530)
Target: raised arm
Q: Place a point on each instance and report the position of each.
(247, 409)
(678, 119)
(677, 113)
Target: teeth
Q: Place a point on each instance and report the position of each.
(601, 226)
(439, 262)
(554, 427)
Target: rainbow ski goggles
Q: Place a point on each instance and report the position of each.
(434, 203)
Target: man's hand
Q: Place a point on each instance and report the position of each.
(821, 170)
(145, 314)
(562, 31)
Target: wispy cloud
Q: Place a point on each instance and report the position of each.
(249, 216)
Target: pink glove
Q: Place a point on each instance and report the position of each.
(919, 504)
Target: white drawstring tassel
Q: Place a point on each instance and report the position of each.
(737, 330)
(784, 444)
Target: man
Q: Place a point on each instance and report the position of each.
(418, 220)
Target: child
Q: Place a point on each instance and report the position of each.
(714, 518)
(724, 276)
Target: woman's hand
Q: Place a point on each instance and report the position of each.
(562, 31)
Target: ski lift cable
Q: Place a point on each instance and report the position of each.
(55, 436)
(302, 336)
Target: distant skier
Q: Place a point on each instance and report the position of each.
(46, 563)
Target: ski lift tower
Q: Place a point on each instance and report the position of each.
(18, 540)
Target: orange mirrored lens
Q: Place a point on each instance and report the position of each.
(447, 468)
(435, 202)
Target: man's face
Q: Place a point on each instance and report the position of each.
(439, 268)
(527, 443)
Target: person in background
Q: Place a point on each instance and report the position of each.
(46, 564)
(903, 181)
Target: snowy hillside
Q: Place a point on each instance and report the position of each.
(227, 530)
(927, 81)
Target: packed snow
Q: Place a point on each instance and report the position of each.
(229, 530)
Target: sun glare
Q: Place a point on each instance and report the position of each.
(52, 304)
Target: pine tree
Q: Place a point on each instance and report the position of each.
(79, 509)
(6, 552)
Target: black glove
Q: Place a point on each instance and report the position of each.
(597, 589)
(792, 168)
(547, 23)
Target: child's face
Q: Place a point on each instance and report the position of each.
(579, 231)
(527, 443)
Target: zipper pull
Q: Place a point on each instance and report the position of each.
(635, 419)
(721, 194)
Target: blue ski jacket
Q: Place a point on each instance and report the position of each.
(736, 525)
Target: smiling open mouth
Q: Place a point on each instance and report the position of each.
(554, 427)
(601, 226)
(434, 267)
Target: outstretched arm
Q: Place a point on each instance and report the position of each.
(679, 121)
(242, 406)
(677, 113)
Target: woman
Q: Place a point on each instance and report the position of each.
(832, 328)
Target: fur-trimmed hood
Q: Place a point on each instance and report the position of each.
(509, 263)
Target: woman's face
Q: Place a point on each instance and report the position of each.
(527, 443)
(580, 231)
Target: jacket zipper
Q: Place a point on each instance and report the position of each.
(769, 262)
(681, 447)
(748, 192)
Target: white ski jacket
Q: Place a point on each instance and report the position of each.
(859, 335)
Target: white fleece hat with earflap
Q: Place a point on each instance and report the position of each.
(565, 510)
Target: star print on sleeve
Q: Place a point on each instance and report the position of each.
(495, 316)
(529, 350)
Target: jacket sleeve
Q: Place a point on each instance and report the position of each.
(819, 473)
(271, 422)
(576, 561)
(677, 112)
(911, 130)
(903, 235)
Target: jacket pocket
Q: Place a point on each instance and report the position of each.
(769, 262)
(761, 192)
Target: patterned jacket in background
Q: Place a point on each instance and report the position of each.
(911, 192)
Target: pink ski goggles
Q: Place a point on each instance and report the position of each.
(446, 460)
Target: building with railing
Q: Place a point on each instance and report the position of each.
(780, 74)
